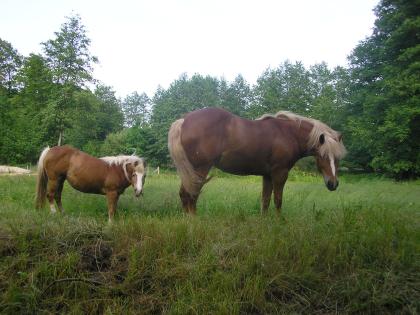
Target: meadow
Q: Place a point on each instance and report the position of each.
(355, 250)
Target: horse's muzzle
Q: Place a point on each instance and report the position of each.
(139, 193)
(332, 185)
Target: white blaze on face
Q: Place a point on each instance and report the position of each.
(139, 184)
(140, 175)
(332, 164)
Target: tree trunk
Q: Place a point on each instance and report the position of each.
(60, 138)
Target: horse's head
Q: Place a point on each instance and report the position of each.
(136, 172)
(329, 151)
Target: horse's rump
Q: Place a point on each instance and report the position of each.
(190, 179)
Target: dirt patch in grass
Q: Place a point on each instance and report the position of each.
(95, 257)
(7, 246)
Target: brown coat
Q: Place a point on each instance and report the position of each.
(269, 147)
(108, 176)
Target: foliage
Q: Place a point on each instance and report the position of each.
(183, 95)
(374, 102)
(136, 109)
(6, 141)
(135, 140)
(283, 88)
(330, 94)
(45, 98)
(68, 54)
(10, 62)
(384, 115)
(108, 114)
(236, 97)
(70, 61)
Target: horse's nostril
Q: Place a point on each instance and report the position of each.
(331, 186)
(138, 193)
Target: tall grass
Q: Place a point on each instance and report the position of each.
(352, 251)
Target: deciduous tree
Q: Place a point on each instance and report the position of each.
(136, 108)
(385, 111)
(10, 62)
(71, 63)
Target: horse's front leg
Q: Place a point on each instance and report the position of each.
(266, 194)
(279, 179)
(60, 184)
(112, 199)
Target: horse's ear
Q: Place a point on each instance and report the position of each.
(340, 137)
(322, 139)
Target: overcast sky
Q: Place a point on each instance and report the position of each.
(142, 44)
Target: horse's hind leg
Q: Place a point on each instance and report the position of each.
(186, 199)
(189, 201)
(52, 187)
(60, 184)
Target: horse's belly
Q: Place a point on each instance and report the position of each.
(85, 186)
(87, 189)
(239, 165)
(237, 170)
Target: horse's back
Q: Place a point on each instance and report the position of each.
(58, 158)
(231, 143)
(206, 119)
(62, 159)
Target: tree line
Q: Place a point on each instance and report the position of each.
(52, 98)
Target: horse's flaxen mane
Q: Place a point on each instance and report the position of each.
(123, 160)
(332, 145)
(284, 115)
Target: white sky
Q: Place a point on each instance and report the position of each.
(142, 44)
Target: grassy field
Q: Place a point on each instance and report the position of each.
(355, 250)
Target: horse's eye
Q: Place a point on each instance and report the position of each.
(133, 175)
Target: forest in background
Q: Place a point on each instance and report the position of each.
(53, 97)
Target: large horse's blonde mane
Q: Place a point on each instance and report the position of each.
(332, 145)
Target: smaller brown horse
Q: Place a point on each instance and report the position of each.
(108, 176)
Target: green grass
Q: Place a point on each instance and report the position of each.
(355, 250)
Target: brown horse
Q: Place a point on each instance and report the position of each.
(108, 176)
(268, 146)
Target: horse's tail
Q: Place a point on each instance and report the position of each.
(42, 180)
(190, 179)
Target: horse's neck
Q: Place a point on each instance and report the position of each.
(119, 170)
(125, 175)
(303, 131)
